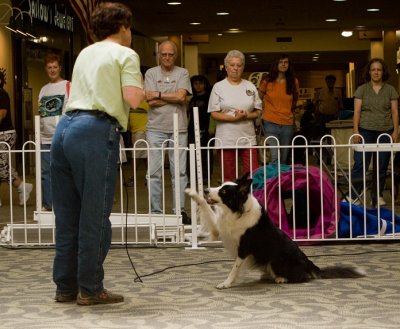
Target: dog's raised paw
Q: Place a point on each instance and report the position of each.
(224, 285)
(194, 195)
(190, 192)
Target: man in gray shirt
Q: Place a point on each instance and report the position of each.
(166, 88)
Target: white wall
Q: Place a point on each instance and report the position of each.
(191, 55)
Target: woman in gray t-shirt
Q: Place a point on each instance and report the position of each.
(375, 119)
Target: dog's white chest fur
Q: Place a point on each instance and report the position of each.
(232, 226)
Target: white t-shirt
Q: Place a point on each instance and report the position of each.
(52, 100)
(229, 98)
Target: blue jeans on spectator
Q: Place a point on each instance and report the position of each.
(370, 137)
(84, 163)
(158, 140)
(47, 201)
(284, 134)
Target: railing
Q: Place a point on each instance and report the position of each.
(303, 200)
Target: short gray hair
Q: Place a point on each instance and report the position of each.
(234, 54)
(171, 43)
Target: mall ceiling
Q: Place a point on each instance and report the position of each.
(157, 18)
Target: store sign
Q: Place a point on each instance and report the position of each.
(50, 14)
(306, 93)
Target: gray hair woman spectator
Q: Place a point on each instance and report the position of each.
(234, 105)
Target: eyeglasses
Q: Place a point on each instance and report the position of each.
(167, 55)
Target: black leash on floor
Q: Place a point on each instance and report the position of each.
(138, 278)
(186, 265)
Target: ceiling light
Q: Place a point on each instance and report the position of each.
(347, 34)
(373, 9)
(222, 13)
(30, 35)
(220, 34)
(195, 23)
(235, 30)
(331, 20)
(21, 32)
(30, 31)
(175, 3)
(11, 28)
(339, 0)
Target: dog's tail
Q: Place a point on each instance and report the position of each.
(341, 272)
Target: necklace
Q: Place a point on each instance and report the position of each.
(166, 75)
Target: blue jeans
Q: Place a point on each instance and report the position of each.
(370, 137)
(47, 200)
(284, 134)
(156, 139)
(84, 163)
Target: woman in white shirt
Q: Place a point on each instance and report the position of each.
(234, 104)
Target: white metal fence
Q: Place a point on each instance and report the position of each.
(305, 201)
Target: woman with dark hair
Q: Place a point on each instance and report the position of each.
(279, 91)
(375, 117)
(201, 89)
(106, 82)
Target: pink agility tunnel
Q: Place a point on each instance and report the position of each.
(322, 220)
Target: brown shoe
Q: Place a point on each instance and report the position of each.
(65, 297)
(103, 297)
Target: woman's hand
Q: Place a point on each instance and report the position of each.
(241, 115)
(356, 138)
(395, 136)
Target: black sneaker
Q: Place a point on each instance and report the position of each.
(185, 218)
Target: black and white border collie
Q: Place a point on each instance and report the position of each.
(234, 216)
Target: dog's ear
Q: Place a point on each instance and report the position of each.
(246, 174)
(242, 179)
(245, 185)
